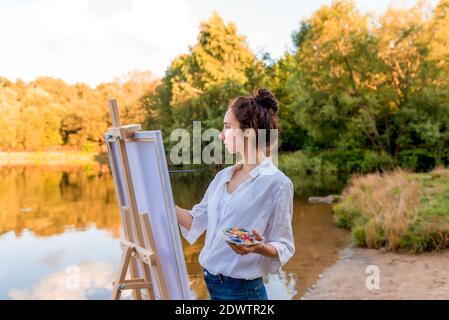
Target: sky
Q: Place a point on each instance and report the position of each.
(94, 41)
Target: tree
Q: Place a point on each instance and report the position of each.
(365, 83)
(199, 85)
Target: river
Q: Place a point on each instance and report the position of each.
(61, 222)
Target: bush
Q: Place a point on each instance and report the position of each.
(358, 235)
(373, 161)
(344, 160)
(418, 160)
(397, 210)
(345, 215)
(311, 175)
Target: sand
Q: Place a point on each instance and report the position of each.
(401, 276)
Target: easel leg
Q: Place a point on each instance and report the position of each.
(147, 276)
(129, 221)
(158, 272)
(125, 214)
(137, 294)
(121, 276)
(136, 284)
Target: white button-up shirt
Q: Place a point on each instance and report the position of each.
(263, 202)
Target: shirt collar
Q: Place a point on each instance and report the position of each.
(266, 164)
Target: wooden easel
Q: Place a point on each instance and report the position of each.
(139, 250)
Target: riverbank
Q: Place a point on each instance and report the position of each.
(397, 210)
(392, 216)
(401, 276)
(50, 158)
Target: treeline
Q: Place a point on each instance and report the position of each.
(360, 91)
(47, 113)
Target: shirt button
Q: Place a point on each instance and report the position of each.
(205, 273)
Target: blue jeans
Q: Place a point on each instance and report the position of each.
(221, 287)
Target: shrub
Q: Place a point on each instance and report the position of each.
(418, 160)
(379, 208)
(373, 161)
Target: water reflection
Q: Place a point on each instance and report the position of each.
(59, 223)
(48, 200)
(47, 267)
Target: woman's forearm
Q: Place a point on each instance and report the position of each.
(267, 250)
(184, 217)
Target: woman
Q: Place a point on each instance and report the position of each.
(252, 194)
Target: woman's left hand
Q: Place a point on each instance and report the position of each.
(244, 250)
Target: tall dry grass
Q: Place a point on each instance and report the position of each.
(389, 203)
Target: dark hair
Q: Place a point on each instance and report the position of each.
(258, 111)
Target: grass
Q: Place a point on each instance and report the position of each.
(397, 210)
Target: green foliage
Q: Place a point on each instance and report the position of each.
(200, 84)
(358, 236)
(373, 161)
(345, 215)
(311, 174)
(357, 93)
(345, 160)
(417, 159)
(372, 88)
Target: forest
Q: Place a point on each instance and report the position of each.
(359, 91)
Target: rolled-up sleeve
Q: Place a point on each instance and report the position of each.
(279, 231)
(199, 221)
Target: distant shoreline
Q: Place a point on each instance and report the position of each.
(50, 157)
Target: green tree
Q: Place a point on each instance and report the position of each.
(363, 83)
(199, 85)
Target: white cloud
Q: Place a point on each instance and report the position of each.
(92, 41)
(93, 277)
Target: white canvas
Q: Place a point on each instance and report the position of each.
(153, 192)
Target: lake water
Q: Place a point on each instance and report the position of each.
(62, 223)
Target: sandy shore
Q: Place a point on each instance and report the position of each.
(401, 276)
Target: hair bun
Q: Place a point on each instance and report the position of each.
(266, 99)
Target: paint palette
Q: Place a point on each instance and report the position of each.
(239, 236)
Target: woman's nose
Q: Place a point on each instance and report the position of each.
(221, 135)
